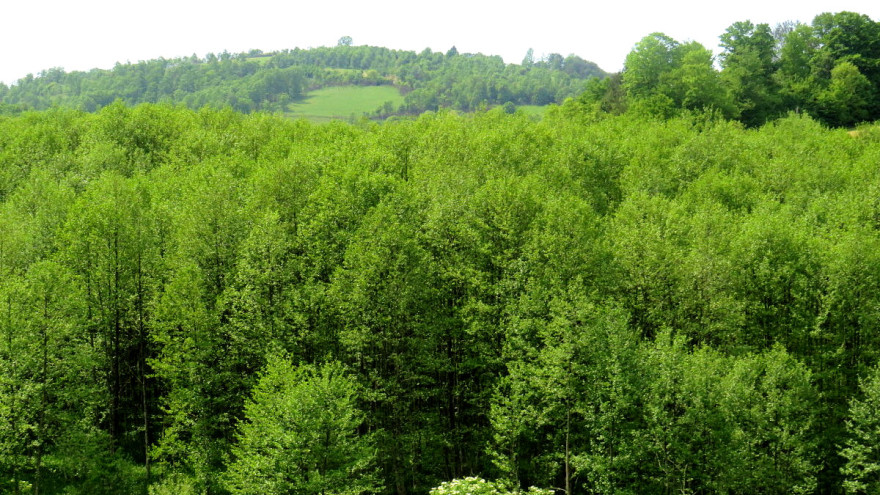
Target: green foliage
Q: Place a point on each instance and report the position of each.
(409, 83)
(862, 468)
(592, 302)
(846, 98)
(748, 67)
(340, 102)
(828, 69)
(662, 76)
(735, 418)
(300, 434)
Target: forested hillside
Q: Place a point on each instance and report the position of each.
(829, 69)
(212, 302)
(270, 82)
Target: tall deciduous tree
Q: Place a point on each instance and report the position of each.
(662, 75)
(794, 74)
(206, 371)
(749, 62)
(646, 65)
(112, 249)
(862, 448)
(50, 400)
(300, 434)
(847, 98)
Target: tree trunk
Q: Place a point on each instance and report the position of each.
(567, 451)
(115, 360)
(142, 365)
(146, 414)
(11, 394)
(44, 399)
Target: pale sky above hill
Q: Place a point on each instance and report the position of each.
(84, 34)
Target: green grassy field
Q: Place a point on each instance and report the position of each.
(341, 102)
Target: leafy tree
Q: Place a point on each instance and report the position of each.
(727, 424)
(300, 434)
(847, 36)
(49, 400)
(608, 94)
(15, 395)
(862, 469)
(698, 85)
(846, 100)
(529, 58)
(748, 63)
(559, 414)
(648, 62)
(388, 303)
(111, 248)
(662, 75)
(189, 362)
(853, 38)
(259, 298)
(794, 74)
(207, 372)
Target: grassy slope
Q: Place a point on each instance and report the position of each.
(341, 102)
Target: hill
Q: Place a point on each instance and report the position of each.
(257, 81)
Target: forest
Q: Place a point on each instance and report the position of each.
(829, 69)
(212, 302)
(269, 82)
(629, 295)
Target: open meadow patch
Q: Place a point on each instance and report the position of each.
(342, 102)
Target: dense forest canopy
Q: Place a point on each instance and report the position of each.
(215, 302)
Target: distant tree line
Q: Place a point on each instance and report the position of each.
(829, 69)
(255, 81)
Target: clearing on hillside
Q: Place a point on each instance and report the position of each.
(341, 102)
(533, 110)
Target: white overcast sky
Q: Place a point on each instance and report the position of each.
(84, 34)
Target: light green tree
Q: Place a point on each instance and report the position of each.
(845, 100)
(862, 448)
(44, 360)
(748, 62)
(646, 64)
(662, 75)
(300, 434)
(696, 83)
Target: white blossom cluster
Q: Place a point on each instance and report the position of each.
(473, 485)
